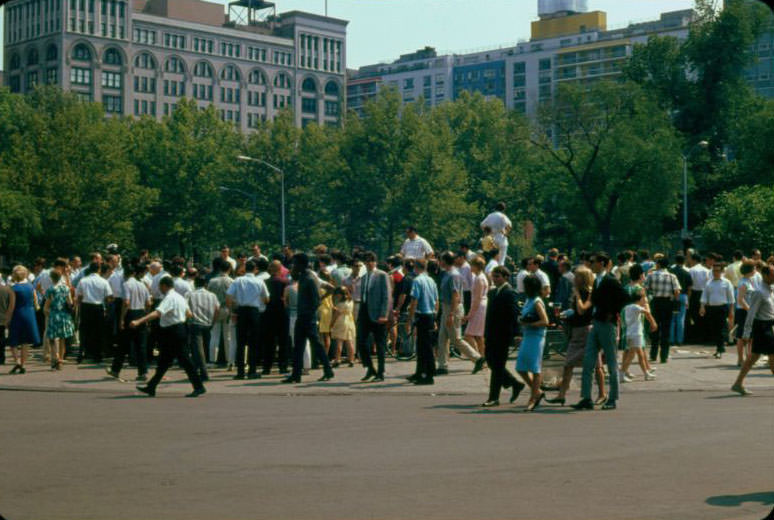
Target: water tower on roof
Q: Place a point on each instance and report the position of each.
(250, 12)
(552, 8)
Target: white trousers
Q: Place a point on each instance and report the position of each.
(502, 245)
(228, 329)
(307, 348)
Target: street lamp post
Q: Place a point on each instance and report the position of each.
(686, 156)
(282, 190)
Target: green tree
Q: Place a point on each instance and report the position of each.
(741, 219)
(611, 161)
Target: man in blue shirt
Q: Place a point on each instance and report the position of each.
(424, 305)
(249, 296)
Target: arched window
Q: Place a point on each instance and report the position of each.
(15, 62)
(332, 89)
(203, 70)
(257, 77)
(81, 53)
(52, 52)
(113, 57)
(174, 65)
(144, 61)
(229, 73)
(281, 80)
(32, 57)
(308, 85)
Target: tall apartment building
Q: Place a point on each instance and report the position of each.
(568, 43)
(140, 57)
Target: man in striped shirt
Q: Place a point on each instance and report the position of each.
(664, 288)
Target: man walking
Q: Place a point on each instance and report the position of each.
(664, 288)
(423, 307)
(171, 313)
(608, 297)
(451, 319)
(502, 323)
(374, 313)
(204, 307)
(249, 296)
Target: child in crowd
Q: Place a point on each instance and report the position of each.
(633, 314)
(343, 326)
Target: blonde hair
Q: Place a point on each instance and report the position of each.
(19, 273)
(584, 278)
(478, 262)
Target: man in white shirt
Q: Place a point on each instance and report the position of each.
(415, 246)
(92, 295)
(116, 281)
(136, 302)
(171, 313)
(466, 275)
(203, 305)
(695, 330)
(533, 267)
(257, 254)
(249, 296)
(225, 254)
(181, 285)
(732, 272)
(501, 228)
(717, 305)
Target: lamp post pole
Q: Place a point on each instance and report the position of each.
(282, 191)
(686, 155)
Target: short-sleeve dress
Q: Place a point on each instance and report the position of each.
(534, 340)
(344, 327)
(60, 323)
(325, 312)
(477, 320)
(23, 329)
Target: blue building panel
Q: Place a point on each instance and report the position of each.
(487, 78)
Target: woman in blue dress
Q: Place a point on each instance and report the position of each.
(534, 321)
(23, 328)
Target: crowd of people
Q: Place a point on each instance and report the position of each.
(296, 311)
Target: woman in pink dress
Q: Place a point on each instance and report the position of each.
(474, 333)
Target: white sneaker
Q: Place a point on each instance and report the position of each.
(650, 377)
(626, 378)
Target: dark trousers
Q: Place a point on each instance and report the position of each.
(132, 340)
(40, 320)
(153, 336)
(500, 377)
(197, 338)
(2, 344)
(467, 296)
(172, 346)
(717, 324)
(365, 330)
(425, 324)
(307, 329)
(274, 332)
(248, 328)
(662, 313)
(695, 331)
(113, 320)
(92, 331)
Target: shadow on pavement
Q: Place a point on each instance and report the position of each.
(764, 497)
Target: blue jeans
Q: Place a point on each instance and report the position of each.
(602, 336)
(677, 334)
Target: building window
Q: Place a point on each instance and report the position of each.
(408, 83)
(15, 62)
(282, 81)
(174, 41)
(111, 79)
(257, 78)
(32, 57)
(309, 105)
(545, 64)
(113, 57)
(174, 65)
(32, 79)
(15, 84)
(81, 53)
(308, 85)
(332, 108)
(203, 70)
(83, 97)
(112, 104)
(229, 73)
(144, 84)
(51, 52)
(144, 61)
(80, 76)
(51, 76)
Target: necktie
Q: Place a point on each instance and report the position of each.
(364, 297)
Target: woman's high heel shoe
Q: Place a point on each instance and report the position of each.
(15, 369)
(531, 408)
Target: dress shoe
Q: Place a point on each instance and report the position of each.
(583, 404)
(367, 377)
(717, 355)
(424, 381)
(556, 400)
(610, 405)
(490, 404)
(22, 370)
(141, 378)
(265, 372)
(238, 376)
(480, 362)
(531, 408)
(253, 375)
(114, 375)
(291, 380)
(412, 378)
(739, 389)
(284, 371)
(442, 372)
(378, 379)
(515, 391)
(197, 392)
(326, 377)
(149, 390)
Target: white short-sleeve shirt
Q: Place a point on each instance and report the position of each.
(172, 309)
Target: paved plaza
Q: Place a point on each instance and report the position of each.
(78, 446)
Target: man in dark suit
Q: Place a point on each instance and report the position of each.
(375, 307)
(607, 298)
(502, 317)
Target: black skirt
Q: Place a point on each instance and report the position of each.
(763, 337)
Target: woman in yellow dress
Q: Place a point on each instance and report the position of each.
(325, 311)
(343, 326)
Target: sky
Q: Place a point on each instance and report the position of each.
(382, 30)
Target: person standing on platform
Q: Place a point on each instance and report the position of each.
(500, 226)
